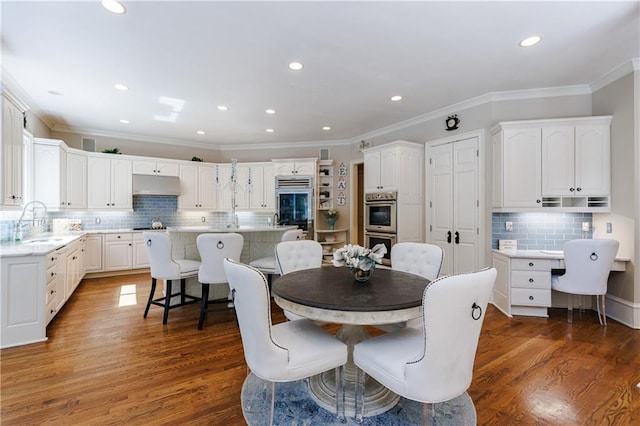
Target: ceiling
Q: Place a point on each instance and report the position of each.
(181, 60)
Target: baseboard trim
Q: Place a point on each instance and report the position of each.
(104, 274)
(623, 311)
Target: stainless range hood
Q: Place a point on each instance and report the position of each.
(156, 185)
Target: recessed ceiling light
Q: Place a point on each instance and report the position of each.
(54, 93)
(530, 41)
(270, 130)
(124, 121)
(223, 107)
(296, 66)
(121, 87)
(326, 128)
(270, 111)
(113, 6)
(396, 98)
(200, 132)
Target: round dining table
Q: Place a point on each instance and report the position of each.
(331, 295)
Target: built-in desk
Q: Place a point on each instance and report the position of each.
(523, 284)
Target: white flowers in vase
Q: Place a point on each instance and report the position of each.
(358, 257)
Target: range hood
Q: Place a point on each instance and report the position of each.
(156, 185)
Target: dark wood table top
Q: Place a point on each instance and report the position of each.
(329, 287)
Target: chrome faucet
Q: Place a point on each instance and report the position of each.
(17, 233)
(276, 218)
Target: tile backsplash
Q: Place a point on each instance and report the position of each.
(146, 208)
(538, 230)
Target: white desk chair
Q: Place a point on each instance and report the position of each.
(213, 249)
(285, 352)
(267, 265)
(434, 363)
(587, 266)
(164, 267)
(419, 259)
(297, 255)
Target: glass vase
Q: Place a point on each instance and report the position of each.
(332, 222)
(362, 275)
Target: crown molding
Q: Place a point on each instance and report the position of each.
(615, 74)
(277, 145)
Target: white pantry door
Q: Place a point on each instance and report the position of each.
(454, 204)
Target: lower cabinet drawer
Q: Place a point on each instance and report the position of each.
(531, 279)
(530, 297)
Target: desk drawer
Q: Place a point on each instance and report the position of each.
(531, 264)
(126, 236)
(531, 279)
(530, 297)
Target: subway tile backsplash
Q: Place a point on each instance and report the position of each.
(540, 230)
(146, 208)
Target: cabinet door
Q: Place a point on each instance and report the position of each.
(522, 171)
(268, 188)
(244, 186)
(558, 161)
(305, 168)
(372, 172)
(188, 198)
(144, 167)
(72, 273)
(593, 160)
(98, 183)
(389, 170)
(223, 186)
(206, 187)
(49, 175)
(118, 255)
(76, 181)
(140, 255)
(11, 154)
(284, 168)
(167, 168)
(93, 253)
(121, 180)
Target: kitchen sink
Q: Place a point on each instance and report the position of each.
(44, 241)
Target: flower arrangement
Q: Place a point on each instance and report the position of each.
(332, 214)
(358, 257)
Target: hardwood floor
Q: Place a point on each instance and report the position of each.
(105, 364)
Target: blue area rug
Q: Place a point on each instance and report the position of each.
(294, 407)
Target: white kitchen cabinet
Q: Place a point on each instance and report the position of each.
(50, 173)
(156, 167)
(140, 256)
(55, 277)
(261, 187)
(74, 265)
(93, 253)
(554, 164)
(523, 285)
(224, 186)
(118, 251)
(76, 181)
(12, 161)
(387, 165)
(197, 187)
(300, 167)
(453, 204)
(576, 160)
(381, 169)
(517, 167)
(109, 183)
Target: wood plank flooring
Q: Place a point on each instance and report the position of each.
(105, 365)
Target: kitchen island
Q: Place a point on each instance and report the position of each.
(259, 241)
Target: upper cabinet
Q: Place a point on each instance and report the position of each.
(197, 187)
(561, 164)
(381, 170)
(261, 186)
(300, 167)
(109, 183)
(12, 128)
(156, 167)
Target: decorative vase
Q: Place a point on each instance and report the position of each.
(332, 222)
(362, 275)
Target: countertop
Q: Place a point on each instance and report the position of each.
(545, 254)
(38, 245)
(240, 229)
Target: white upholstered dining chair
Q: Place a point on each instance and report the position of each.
(587, 266)
(164, 267)
(284, 352)
(434, 363)
(419, 259)
(213, 249)
(297, 255)
(267, 265)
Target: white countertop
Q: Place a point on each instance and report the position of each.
(240, 229)
(545, 254)
(38, 245)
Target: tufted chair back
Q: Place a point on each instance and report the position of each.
(296, 255)
(292, 235)
(417, 258)
(163, 267)
(587, 264)
(213, 249)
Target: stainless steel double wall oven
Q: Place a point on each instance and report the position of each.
(380, 220)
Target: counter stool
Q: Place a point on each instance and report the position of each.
(267, 265)
(164, 267)
(213, 249)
